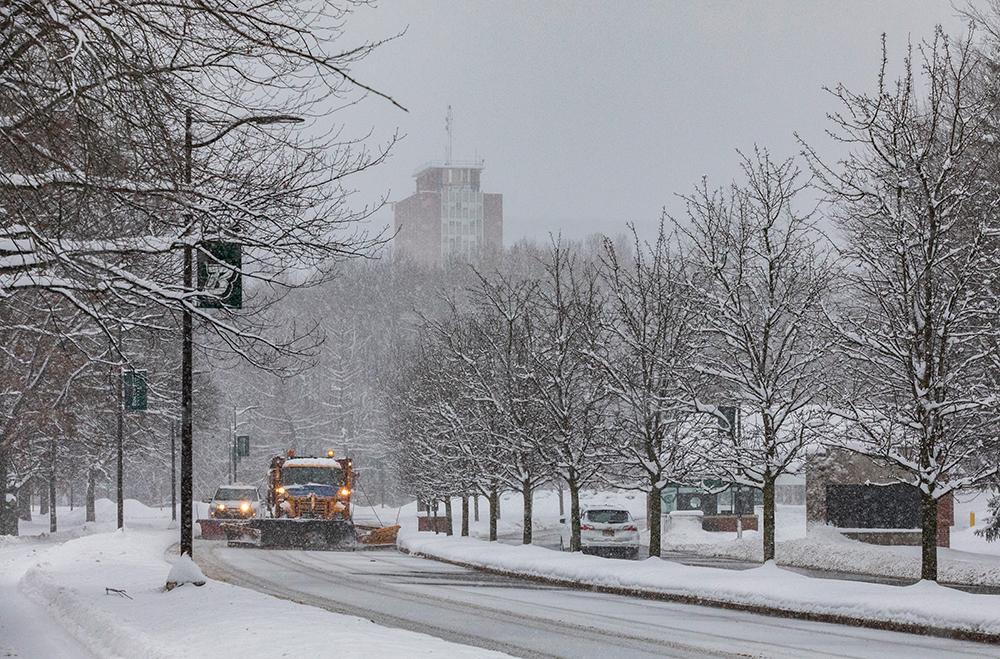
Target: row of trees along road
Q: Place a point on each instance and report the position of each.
(134, 138)
(616, 366)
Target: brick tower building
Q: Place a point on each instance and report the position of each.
(449, 218)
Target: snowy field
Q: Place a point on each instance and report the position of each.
(64, 577)
(970, 560)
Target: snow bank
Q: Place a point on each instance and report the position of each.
(185, 571)
(826, 549)
(971, 560)
(215, 620)
(767, 588)
(108, 509)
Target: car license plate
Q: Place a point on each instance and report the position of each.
(609, 531)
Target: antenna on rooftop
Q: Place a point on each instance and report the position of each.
(449, 126)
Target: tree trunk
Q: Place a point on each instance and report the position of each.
(8, 509)
(91, 486)
(574, 512)
(43, 498)
(562, 504)
(528, 491)
(928, 537)
(768, 518)
(53, 527)
(654, 521)
(494, 510)
(465, 516)
(24, 502)
(448, 518)
(434, 515)
(649, 504)
(475, 506)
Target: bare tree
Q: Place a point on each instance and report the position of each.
(133, 133)
(652, 341)
(762, 275)
(490, 344)
(572, 393)
(919, 210)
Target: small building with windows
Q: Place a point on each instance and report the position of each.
(721, 504)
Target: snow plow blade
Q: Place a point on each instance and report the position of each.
(211, 529)
(385, 536)
(291, 534)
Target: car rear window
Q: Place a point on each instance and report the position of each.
(608, 516)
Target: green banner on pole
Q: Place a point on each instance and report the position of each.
(135, 390)
(242, 446)
(220, 282)
(731, 413)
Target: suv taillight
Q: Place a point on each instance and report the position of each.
(586, 527)
(630, 527)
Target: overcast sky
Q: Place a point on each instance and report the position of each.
(593, 114)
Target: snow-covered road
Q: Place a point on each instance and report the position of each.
(528, 619)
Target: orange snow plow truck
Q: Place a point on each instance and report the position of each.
(308, 506)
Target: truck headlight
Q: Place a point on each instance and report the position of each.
(221, 506)
(344, 492)
(280, 490)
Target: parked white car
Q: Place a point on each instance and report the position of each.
(603, 530)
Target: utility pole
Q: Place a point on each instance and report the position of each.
(449, 127)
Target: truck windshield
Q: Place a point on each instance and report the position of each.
(306, 475)
(235, 494)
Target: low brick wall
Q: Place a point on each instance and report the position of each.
(427, 523)
(887, 537)
(727, 523)
(898, 537)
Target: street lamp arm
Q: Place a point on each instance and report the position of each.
(258, 120)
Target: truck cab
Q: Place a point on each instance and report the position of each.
(310, 487)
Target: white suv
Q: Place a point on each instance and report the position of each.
(604, 530)
(235, 502)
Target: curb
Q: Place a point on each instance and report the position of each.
(777, 612)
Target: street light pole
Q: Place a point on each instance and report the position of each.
(120, 461)
(232, 449)
(187, 383)
(187, 486)
(234, 457)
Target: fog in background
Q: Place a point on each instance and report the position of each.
(592, 114)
